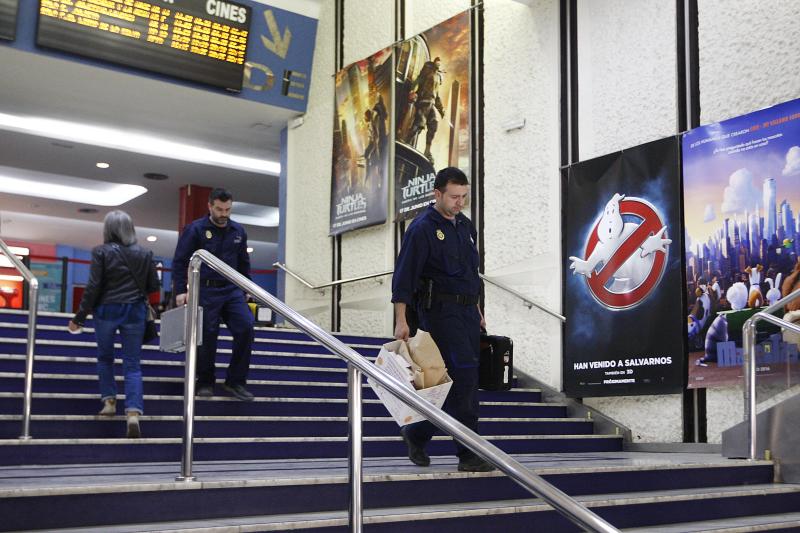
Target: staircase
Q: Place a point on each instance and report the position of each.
(279, 463)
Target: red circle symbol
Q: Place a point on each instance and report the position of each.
(651, 224)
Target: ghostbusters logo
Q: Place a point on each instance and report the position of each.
(624, 259)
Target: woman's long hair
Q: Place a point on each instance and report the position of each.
(118, 228)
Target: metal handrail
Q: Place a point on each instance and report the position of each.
(561, 502)
(525, 300)
(33, 306)
(749, 349)
(297, 276)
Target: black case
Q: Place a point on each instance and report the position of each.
(497, 362)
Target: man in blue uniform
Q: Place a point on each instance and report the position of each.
(437, 273)
(220, 299)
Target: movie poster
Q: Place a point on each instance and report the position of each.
(622, 296)
(741, 189)
(433, 112)
(361, 125)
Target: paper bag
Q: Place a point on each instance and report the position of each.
(395, 361)
(426, 354)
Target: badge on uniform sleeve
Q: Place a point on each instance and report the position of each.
(208, 234)
(440, 234)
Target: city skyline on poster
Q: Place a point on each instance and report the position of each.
(360, 169)
(741, 193)
(432, 115)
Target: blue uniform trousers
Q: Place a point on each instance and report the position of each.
(226, 304)
(456, 331)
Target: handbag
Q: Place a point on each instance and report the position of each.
(150, 330)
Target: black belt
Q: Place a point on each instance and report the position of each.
(216, 283)
(461, 299)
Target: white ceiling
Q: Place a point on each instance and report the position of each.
(40, 86)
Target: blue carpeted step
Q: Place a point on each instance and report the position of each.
(89, 404)
(47, 364)
(87, 426)
(326, 490)
(69, 451)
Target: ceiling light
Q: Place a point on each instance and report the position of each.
(152, 238)
(143, 143)
(4, 277)
(249, 249)
(67, 188)
(102, 165)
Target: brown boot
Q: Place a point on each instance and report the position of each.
(109, 407)
(134, 431)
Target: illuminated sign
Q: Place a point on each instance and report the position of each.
(8, 19)
(198, 40)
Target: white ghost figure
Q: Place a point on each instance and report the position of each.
(611, 232)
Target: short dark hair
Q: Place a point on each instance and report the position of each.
(218, 193)
(449, 175)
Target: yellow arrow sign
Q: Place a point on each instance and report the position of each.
(279, 44)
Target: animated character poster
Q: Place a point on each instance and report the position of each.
(433, 111)
(741, 190)
(624, 329)
(361, 143)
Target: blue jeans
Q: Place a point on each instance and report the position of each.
(129, 319)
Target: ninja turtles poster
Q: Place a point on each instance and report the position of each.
(361, 125)
(741, 192)
(432, 115)
(622, 262)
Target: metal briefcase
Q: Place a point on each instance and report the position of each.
(173, 329)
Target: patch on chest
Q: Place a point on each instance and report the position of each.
(237, 239)
(209, 234)
(440, 234)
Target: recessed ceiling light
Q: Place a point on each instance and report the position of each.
(249, 249)
(155, 176)
(66, 188)
(102, 165)
(152, 238)
(143, 143)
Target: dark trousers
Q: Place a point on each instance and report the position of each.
(461, 404)
(225, 304)
(456, 331)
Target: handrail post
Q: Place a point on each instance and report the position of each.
(355, 462)
(33, 306)
(749, 352)
(190, 334)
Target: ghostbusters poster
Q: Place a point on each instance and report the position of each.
(361, 125)
(741, 195)
(432, 113)
(622, 262)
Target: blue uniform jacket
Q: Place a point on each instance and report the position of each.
(228, 243)
(435, 248)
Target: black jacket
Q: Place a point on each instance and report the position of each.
(110, 279)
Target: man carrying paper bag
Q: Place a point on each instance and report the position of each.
(436, 275)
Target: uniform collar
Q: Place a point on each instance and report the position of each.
(433, 213)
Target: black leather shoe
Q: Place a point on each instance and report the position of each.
(204, 391)
(475, 464)
(239, 391)
(415, 452)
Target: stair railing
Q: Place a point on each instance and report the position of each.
(356, 365)
(749, 349)
(525, 300)
(33, 306)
